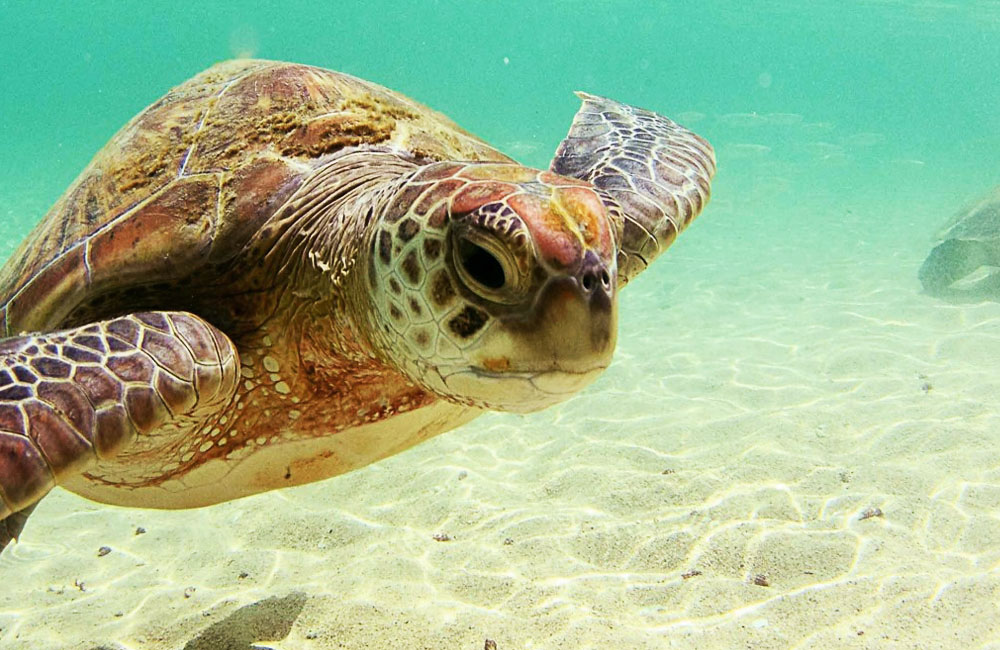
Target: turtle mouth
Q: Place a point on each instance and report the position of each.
(522, 391)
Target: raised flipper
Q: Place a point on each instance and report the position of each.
(653, 174)
(72, 397)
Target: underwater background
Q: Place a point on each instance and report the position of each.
(780, 375)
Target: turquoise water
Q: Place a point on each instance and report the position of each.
(922, 74)
(846, 132)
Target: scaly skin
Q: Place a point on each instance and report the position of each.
(503, 347)
(69, 399)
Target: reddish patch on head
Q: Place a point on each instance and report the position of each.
(478, 194)
(548, 229)
(591, 215)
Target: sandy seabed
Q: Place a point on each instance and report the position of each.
(794, 448)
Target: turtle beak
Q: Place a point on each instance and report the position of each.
(553, 351)
(569, 329)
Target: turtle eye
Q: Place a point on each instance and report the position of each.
(480, 265)
(486, 267)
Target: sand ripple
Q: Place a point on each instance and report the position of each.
(798, 454)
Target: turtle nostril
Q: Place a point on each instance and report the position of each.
(481, 265)
(593, 274)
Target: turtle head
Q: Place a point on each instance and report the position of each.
(494, 285)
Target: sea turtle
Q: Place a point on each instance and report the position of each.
(278, 273)
(970, 241)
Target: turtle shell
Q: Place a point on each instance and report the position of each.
(186, 183)
(978, 222)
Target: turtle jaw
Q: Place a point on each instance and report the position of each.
(528, 360)
(518, 392)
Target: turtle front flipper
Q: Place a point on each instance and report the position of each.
(653, 174)
(70, 398)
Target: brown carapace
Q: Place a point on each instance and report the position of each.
(277, 273)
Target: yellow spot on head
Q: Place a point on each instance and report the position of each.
(497, 364)
(205, 446)
(282, 388)
(270, 364)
